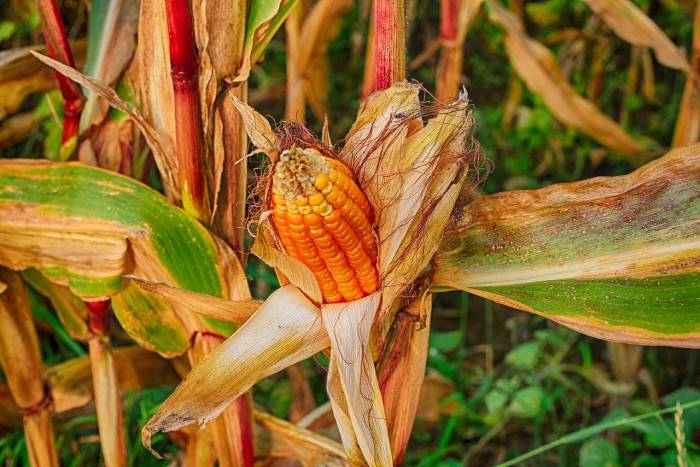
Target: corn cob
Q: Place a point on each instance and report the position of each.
(324, 220)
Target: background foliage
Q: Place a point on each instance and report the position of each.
(493, 390)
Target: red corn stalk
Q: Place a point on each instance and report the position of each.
(368, 75)
(59, 49)
(389, 43)
(184, 67)
(450, 65)
(108, 405)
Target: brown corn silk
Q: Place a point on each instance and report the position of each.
(324, 220)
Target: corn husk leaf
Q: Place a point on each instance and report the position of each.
(258, 129)
(285, 329)
(349, 325)
(631, 24)
(21, 75)
(71, 311)
(432, 187)
(383, 118)
(341, 414)
(616, 258)
(412, 208)
(687, 130)
(538, 67)
(164, 159)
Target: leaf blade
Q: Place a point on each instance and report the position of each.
(580, 253)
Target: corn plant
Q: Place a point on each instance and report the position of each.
(361, 234)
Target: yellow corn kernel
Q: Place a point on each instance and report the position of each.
(324, 220)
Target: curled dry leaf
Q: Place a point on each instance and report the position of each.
(631, 24)
(54, 218)
(613, 257)
(285, 329)
(538, 67)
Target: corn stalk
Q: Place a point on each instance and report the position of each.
(184, 66)
(455, 18)
(389, 43)
(108, 404)
(21, 362)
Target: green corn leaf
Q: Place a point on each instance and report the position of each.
(86, 228)
(270, 13)
(614, 257)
